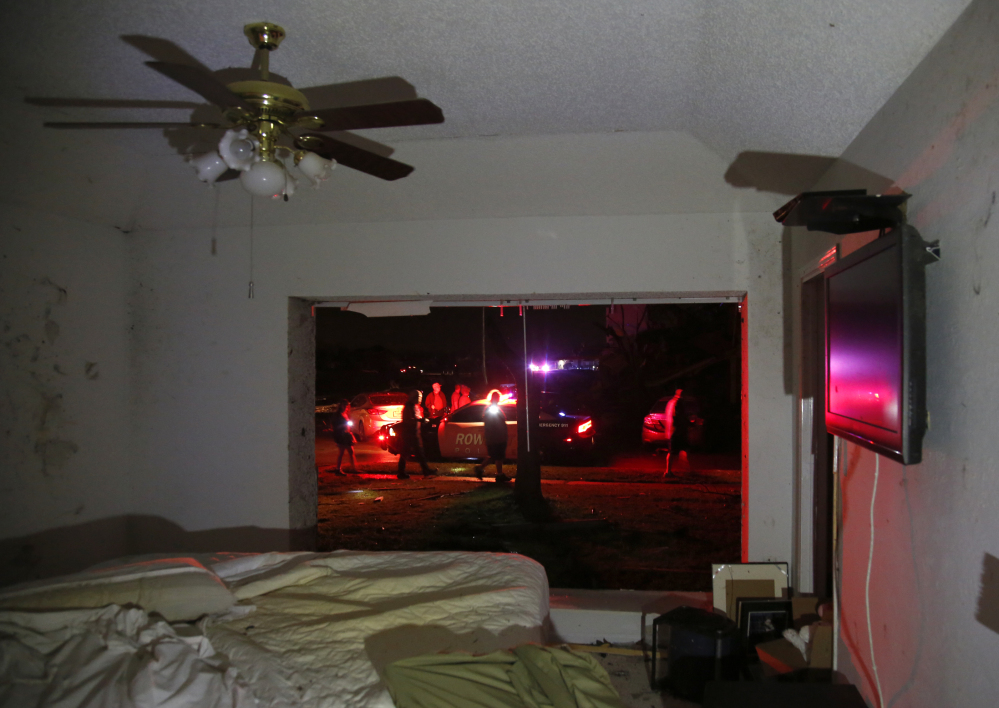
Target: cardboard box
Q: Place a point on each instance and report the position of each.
(822, 647)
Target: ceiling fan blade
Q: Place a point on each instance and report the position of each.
(363, 143)
(108, 103)
(360, 93)
(353, 157)
(76, 126)
(201, 82)
(379, 115)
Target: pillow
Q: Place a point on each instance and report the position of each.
(179, 589)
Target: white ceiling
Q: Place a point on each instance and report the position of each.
(788, 76)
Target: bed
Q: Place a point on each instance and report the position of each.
(273, 629)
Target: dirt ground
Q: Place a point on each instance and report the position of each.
(617, 527)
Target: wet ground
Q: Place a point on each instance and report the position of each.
(619, 525)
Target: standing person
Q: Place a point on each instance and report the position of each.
(496, 437)
(456, 397)
(677, 425)
(436, 403)
(466, 394)
(343, 437)
(412, 435)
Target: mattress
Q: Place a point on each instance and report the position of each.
(311, 630)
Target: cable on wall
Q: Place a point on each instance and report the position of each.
(867, 590)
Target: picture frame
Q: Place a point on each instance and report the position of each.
(730, 581)
(763, 619)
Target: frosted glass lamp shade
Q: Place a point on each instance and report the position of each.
(264, 179)
(208, 166)
(316, 168)
(238, 149)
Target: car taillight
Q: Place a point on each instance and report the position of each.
(376, 411)
(392, 432)
(380, 438)
(583, 427)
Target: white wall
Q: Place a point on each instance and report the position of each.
(211, 364)
(64, 373)
(205, 386)
(933, 586)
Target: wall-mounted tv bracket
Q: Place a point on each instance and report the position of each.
(849, 211)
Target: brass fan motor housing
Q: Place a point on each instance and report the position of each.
(277, 106)
(264, 35)
(279, 100)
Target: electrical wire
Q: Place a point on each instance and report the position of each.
(867, 590)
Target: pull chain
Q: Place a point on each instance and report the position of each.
(251, 248)
(215, 222)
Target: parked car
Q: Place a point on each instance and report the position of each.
(370, 411)
(654, 433)
(459, 436)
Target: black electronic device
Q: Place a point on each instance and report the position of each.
(844, 211)
(875, 344)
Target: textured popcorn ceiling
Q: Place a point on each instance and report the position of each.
(790, 76)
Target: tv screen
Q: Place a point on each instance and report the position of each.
(876, 345)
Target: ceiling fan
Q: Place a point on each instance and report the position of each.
(268, 122)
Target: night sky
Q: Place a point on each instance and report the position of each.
(458, 330)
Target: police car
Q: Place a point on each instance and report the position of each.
(461, 435)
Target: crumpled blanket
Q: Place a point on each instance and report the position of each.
(318, 634)
(527, 677)
(112, 657)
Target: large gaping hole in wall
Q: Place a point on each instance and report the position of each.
(595, 494)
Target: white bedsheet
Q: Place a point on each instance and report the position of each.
(324, 642)
(311, 630)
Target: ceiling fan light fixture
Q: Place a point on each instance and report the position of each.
(317, 169)
(209, 167)
(265, 179)
(239, 149)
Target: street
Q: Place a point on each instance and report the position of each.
(639, 467)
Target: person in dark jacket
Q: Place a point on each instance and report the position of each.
(677, 427)
(495, 434)
(343, 437)
(412, 436)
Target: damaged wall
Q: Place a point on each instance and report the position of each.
(205, 393)
(934, 588)
(64, 430)
(211, 364)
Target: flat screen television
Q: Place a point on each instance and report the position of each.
(876, 345)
